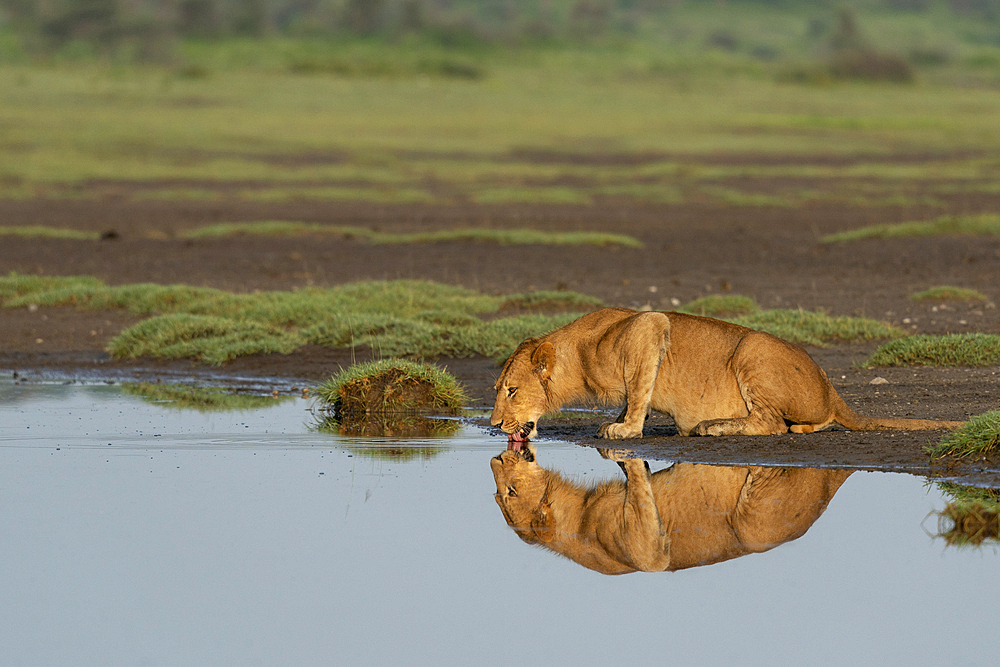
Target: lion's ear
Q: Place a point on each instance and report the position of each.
(543, 359)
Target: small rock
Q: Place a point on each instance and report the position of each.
(879, 380)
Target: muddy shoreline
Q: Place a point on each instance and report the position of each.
(771, 254)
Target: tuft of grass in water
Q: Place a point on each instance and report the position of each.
(383, 377)
(43, 232)
(979, 437)
(964, 225)
(974, 349)
(474, 235)
(819, 329)
(202, 399)
(948, 293)
(716, 305)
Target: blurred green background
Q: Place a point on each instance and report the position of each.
(500, 101)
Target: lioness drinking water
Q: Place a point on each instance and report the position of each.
(712, 377)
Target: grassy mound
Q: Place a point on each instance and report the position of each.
(979, 437)
(473, 235)
(948, 293)
(962, 225)
(971, 518)
(974, 349)
(391, 386)
(818, 329)
(718, 305)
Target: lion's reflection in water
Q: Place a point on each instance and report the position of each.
(684, 516)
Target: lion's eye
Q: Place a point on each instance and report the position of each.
(511, 391)
(511, 491)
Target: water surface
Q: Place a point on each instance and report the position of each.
(138, 533)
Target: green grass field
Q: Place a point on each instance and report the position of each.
(243, 121)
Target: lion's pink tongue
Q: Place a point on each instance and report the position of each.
(515, 440)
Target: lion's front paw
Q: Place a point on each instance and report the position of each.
(618, 431)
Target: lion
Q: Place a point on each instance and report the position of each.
(713, 378)
(687, 515)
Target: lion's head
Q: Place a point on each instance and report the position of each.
(521, 494)
(522, 395)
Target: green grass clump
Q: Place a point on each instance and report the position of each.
(209, 339)
(473, 235)
(43, 232)
(392, 386)
(415, 319)
(551, 300)
(963, 225)
(809, 328)
(716, 305)
(948, 293)
(202, 399)
(979, 437)
(974, 349)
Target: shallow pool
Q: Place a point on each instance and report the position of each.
(139, 533)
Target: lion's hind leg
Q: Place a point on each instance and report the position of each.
(757, 422)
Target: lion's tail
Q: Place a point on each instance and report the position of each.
(850, 419)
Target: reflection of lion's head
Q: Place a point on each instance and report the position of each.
(522, 391)
(522, 487)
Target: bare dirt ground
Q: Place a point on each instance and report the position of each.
(769, 253)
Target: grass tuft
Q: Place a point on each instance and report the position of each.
(819, 329)
(206, 338)
(717, 305)
(948, 293)
(391, 386)
(466, 235)
(975, 349)
(963, 225)
(43, 232)
(979, 437)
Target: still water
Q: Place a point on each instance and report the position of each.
(139, 533)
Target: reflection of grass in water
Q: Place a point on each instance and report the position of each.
(949, 293)
(391, 426)
(203, 399)
(964, 225)
(979, 437)
(973, 516)
(975, 349)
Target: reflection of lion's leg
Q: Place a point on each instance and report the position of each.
(649, 335)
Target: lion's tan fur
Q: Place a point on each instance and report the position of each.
(684, 516)
(712, 377)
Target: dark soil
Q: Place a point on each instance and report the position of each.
(770, 254)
